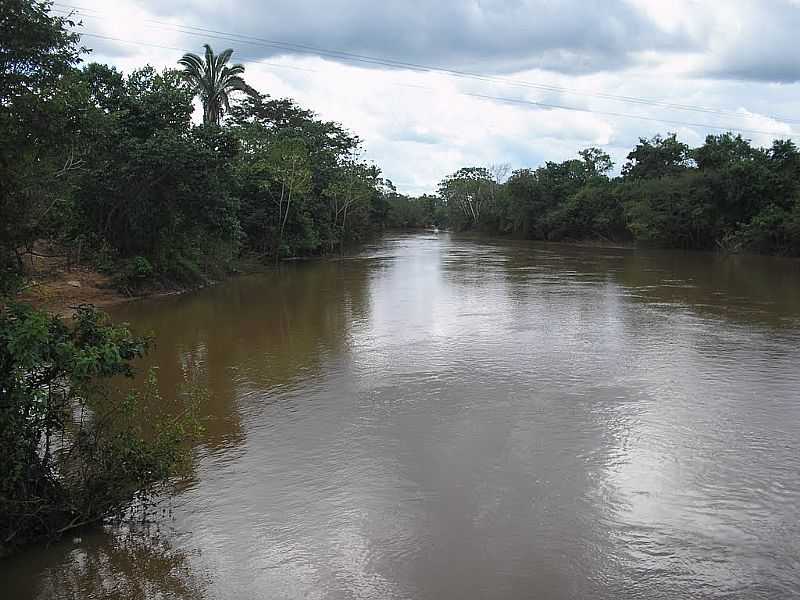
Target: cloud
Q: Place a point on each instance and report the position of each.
(498, 36)
(420, 126)
(756, 41)
(744, 40)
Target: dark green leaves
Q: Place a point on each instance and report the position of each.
(72, 451)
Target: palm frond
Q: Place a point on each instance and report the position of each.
(224, 57)
(213, 80)
(190, 59)
(236, 69)
(239, 84)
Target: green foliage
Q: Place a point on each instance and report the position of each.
(725, 195)
(170, 197)
(109, 166)
(593, 212)
(112, 164)
(415, 213)
(722, 151)
(213, 80)
(673, 211)
(302, 188)
(39, 114)
(133, 274)
(773, 230)
(469, 194)
(596, 162)
(73, 452)
(657, 157)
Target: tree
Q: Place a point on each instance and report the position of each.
(214, 80)
(74, 452)
(657, 157)
(467, 192)
(598, 163)
(37, 49)
(593, 212)
(39, 117)
(724, 150)
(677, 211)
(518, 188)
(350, 195)
(169, 201)
(288, 164)
(337, 198)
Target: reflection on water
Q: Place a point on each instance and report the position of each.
(449, 418)
(129, 564)
(269, 331)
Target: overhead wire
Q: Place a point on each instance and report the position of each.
(506, 100)
(304, 48)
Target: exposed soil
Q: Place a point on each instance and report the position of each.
(59, 288)
(59, 291)
(55, 285)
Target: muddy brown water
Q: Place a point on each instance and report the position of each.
(439, 417)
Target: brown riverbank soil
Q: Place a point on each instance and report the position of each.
(53, 285)
(59, 290)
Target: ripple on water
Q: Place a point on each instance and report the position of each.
(446, 418)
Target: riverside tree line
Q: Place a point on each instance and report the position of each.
(725, 195)
(109, 169)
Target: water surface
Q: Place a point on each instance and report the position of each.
(440, 417)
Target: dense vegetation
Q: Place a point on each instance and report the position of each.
(74, 452)
(75, 148)
(110, 169)
(726, 194)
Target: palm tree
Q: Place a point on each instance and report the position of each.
(213, 80)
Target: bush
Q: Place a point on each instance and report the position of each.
(73, 452)
(132, 274)
(141, 268)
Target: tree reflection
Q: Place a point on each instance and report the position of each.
(255, 333)
(129, 564)
(750, 290)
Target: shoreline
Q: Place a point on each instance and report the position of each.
(61, 292)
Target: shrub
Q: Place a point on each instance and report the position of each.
(73, 451)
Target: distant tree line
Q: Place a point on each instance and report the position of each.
(726, 195)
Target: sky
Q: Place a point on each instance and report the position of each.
(516, 82)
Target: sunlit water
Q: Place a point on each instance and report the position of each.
(442, 418)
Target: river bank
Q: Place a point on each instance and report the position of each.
(55, 287)
(58, 289)
(59, 292)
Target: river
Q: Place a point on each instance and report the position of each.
(440, 417)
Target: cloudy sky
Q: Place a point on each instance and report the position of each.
(619, 69)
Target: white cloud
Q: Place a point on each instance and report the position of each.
(420, 126)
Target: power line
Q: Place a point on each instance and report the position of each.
(625, 115)
(519, 101)
(264, 42)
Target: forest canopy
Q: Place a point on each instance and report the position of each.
(724, 195)
(113, 169)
